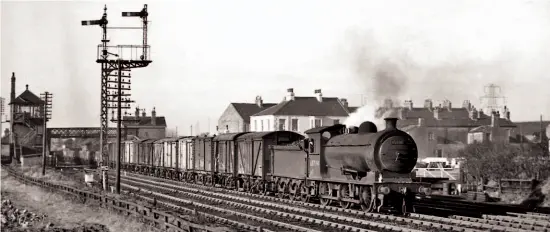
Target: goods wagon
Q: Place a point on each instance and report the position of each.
(226, 158)
(254, 160)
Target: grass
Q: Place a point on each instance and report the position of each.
(65, 212)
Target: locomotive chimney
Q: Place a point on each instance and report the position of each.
(391, 123)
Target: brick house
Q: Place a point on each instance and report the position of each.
(236, 117)
(143, 126)
(442, 130)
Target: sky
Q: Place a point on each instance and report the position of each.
(208, 53)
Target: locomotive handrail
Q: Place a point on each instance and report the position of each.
(165, 221)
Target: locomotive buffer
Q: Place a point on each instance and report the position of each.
(117, 59)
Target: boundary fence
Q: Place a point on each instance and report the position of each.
(162, 220)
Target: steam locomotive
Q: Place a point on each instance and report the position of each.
(334, 164)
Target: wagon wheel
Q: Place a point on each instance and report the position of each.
(367, 199)
(260, 187)
(229, 183)
(303, 195)
(293, 192)
(246, 185)
(344, 193)
(324, 191)
(281, 189)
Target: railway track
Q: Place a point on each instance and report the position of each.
(335, 215)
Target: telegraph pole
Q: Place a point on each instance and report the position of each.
(46, 116)
(2, 110)
(127, 57)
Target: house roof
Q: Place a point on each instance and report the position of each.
(307, 106)
(352, 109)
(530, 127)
(484, 129)
(131, 121)
(245, 110)
(27, 98)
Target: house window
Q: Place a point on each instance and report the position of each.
(336, 121)
(439, 153)
(431, 136)
(262, 125)
(282, 124)
(317, 122)
(255, 125)
(294, 126)
(268, 128)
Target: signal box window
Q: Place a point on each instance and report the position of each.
(262, 125)
(294, 126)
(282, 123)
(268, 128)
(255, 125)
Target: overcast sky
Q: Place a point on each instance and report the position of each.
(207, 54)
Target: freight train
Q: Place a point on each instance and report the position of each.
(334, 164)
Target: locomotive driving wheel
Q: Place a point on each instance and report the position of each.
(324, 190)
(344, 193)
(366, 197)
(303, 194)
(281, 189)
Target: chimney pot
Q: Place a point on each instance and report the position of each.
(344, 102)
(409, 104)
(259, 101)
(290, 95)
(318, 95)
(428, 104)
(27, 86)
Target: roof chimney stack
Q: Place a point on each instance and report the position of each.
(290, 94)
(27, 87)
(428, 104)
(447, 104)
(137, 112)
(259, 101)
(153, 117)
(143, 113)
(467, 105)
(494, 119)
(344, 103)
(506, 113)
(318, 95)
(409, 104)
(436, 112)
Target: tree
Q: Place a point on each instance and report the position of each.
(495, 161)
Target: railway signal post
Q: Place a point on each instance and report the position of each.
(46, 116)
(119, 59)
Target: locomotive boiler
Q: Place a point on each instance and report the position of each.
(364, 149)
